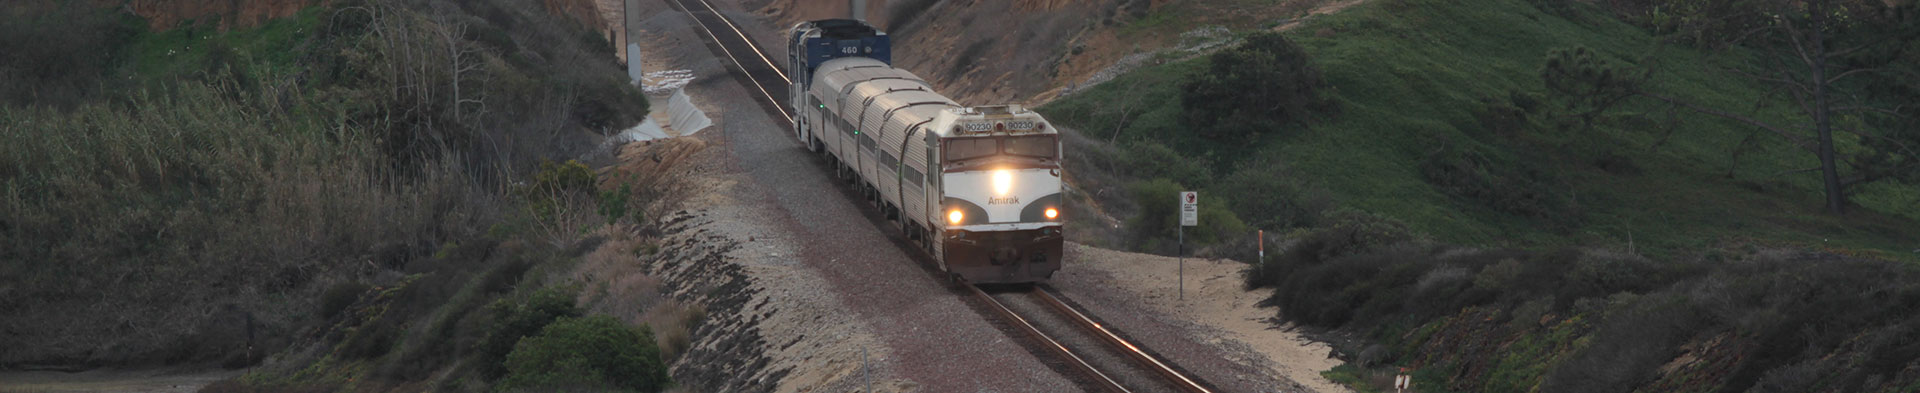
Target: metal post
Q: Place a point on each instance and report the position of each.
(1263, 245)
(1183, 262)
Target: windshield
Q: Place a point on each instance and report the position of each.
(1032, 146)
(1039, 146)
(971, 148)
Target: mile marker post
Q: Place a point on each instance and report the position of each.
(1403, 381)
(1189, 216)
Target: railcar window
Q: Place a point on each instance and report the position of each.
(971, 148)
(1031, 146)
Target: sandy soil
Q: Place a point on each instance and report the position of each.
(148, 380)
(1214, 300)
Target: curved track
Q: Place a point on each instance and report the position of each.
(1100, 357)
(1103, 359)
(762, 74)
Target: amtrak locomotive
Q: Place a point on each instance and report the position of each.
(979, 187)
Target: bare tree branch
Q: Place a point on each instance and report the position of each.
(1796, 139)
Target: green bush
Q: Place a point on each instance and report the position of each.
(1498, 183)
(340, 296)
(1156, 227)
(1349, 232)
(1250, 89)
(570, 176)
(515, 318)
(43, 66)
(591, 352)
(1148, 160)
(1268, 196)
(615, 204)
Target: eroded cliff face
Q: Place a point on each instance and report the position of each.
(240, 14)
(989, 52)
(229, 14)
(586, 12)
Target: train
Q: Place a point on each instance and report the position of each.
(978, 187)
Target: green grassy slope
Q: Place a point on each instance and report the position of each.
(1413, 76)
(186, 50)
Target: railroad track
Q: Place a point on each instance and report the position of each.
(1102, 358)
(763, 75)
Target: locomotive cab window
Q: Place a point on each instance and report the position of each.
(1041, 146)
(970, 148)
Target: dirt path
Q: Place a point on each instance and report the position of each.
(145, 380)
(1221, 314)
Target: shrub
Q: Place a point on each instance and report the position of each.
(570, 176)
(593, 352)
(195, 201)
(1156, 227)
(1628, 348)
(673, 325)
(514, 319)
(1585, 84)
(615, 204)
(1351, 232)
(1497, 183)
(42, 66)
(1147, 160)
(1267, 197)
(1266, 81)
(1159, 210)
(339, 296)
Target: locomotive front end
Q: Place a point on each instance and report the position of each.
(1001, 197)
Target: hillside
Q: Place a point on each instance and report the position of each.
(194, 193)
(1421, 136)
(1441, 207)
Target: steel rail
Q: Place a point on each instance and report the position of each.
(729, 53)
(749, 40)
(1073, 361)
(1179, 381)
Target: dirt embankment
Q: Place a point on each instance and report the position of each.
(770, 324)
(986, 52)
(1214, 309)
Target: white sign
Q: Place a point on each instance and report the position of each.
(1189, 208)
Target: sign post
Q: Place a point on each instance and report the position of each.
(1189, 216)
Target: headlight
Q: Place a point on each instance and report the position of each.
(955, 216)
(1052, 213)
(1002, 182)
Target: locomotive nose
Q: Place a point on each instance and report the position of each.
(1005, 254)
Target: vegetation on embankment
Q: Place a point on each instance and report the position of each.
(1592, 320)
(1465, 207)
(1440, 117)
(352, 185)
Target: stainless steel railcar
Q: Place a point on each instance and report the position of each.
(978, 186)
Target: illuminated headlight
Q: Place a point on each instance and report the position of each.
(1002, 182)
(954, 217)
(1052, 213)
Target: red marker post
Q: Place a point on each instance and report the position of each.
(1402, 382)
